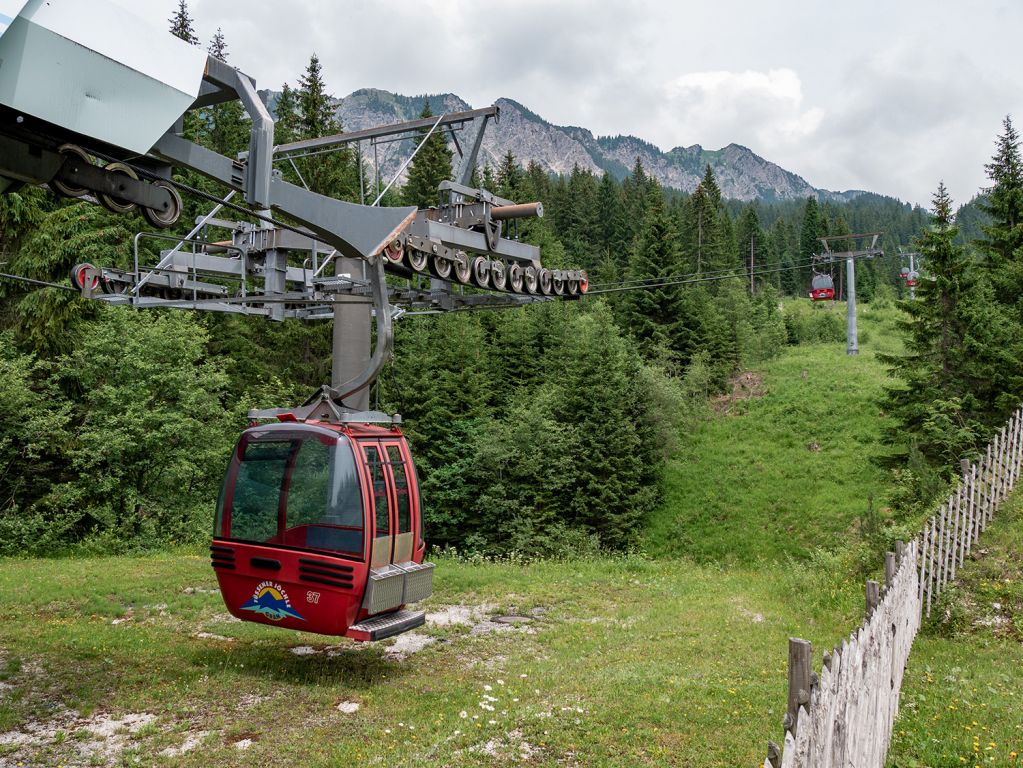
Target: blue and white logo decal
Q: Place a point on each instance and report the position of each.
(272, 601)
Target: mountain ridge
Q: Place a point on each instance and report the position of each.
(741, 173)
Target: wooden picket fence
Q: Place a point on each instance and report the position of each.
(844, 716)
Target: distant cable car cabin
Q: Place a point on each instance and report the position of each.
(911, 278)
(319, 528)
(904, 273)
(822, 288)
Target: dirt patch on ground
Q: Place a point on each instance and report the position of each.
(70, 738)
(406, 644)
(745, 386)
(482, 619)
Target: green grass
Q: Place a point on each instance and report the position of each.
(787, 472)
(632, 662)
(962, 699)
(629, 661)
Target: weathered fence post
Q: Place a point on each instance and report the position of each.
(1002, 462)
(773, 756)
(800, 655)
(987, 489)
(1015, 463)
(942, 535)
(873, 594)
(890, 566)
(973, 508)
(953, 505)
(930, 561)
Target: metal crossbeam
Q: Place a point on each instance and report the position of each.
(394, 129)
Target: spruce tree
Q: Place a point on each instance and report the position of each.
(813, 228)
(607, 485)
(431, 166)
(335, 174)
(286, 127)
(509, 177)
(182, 25)
(1003, 204)
(707, 235)
(753, 245)
(957, 366)
(651, 315)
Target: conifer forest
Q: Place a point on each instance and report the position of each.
(516, 416)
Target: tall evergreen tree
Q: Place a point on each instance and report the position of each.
(509, 177)
(286, 126)
(705, 235)
(182, 25)
(957, 366)
(813, 228)
(753, 245)
(431, 166)
(335, 174)
(651, 315)
(1003, 203)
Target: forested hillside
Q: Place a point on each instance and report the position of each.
(539, 430)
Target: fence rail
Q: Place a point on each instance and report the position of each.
(844, 716)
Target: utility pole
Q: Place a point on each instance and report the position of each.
(852, 335)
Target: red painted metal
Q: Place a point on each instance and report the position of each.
(822, 294)
(293, 578)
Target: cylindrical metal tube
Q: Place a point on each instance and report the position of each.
(521, 211)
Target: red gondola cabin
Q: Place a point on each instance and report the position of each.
(822, 288)
(319, 529)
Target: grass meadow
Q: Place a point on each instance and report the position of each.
(673, 655)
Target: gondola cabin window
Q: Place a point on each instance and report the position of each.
(298, 492)
(401, 489)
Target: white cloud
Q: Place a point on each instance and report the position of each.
(825, 91)
(769, 106)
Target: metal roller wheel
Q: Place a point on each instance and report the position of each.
(79, 274)
(463, 268)
(168, 217)
(531, 280)
(572, 286)
(546, 281)
(559, 284)
(62, 187)
(441, 266)
(481, 272)
(584, 283)
(116, 204)
(114, 287)
(515, 278)
(498, 274)
(417, 260)
(394, 252)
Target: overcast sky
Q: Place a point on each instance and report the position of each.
(886, 96)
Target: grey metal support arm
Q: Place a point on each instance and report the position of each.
(385, 340)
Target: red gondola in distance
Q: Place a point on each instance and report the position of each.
(319, 529)
(822, 288)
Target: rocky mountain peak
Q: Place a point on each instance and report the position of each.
(740, 172)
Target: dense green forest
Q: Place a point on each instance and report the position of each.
(539, 430)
